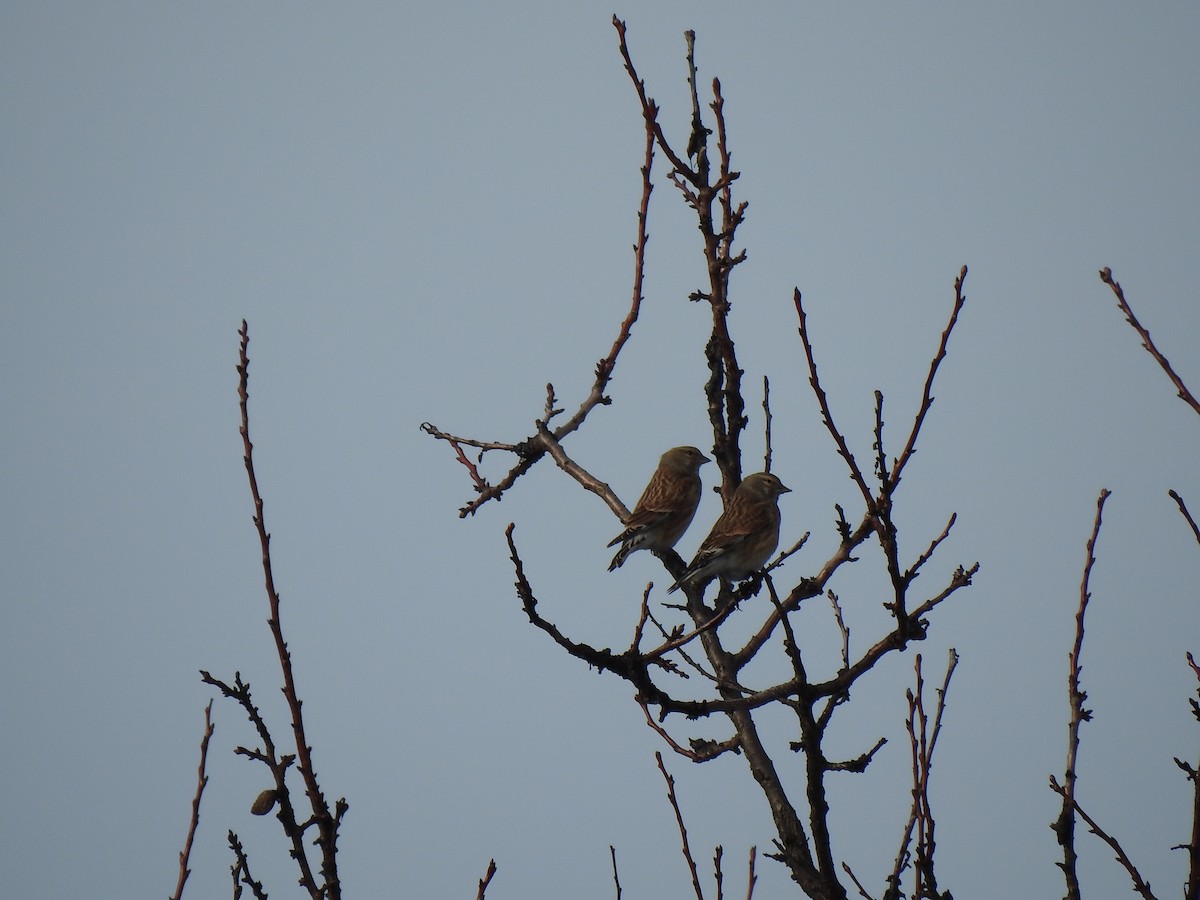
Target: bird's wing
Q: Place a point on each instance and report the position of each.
(641, 519)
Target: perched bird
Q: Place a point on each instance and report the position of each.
(666, 507)
(743, 538)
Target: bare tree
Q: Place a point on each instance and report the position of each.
(689, 640)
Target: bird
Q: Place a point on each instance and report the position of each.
(666, 507)
(743, 538)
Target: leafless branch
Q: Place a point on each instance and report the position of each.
(545, 440)
(1184, 394)
(841, 624)
(486, 879)
(1139, 885)
(616, 878)
(701, 751)
(201, 783)
(862, 891)
(240, 870)
(923, 741)
(1064, 825)
(687, 852)
(814, 380)
(325, 821)
(927, 394)
(1191, 889)
(766, 404)
(705, 181)
(1186, 515)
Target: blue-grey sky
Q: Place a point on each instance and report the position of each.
(425, 213)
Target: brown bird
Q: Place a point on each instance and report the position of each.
(743, 538)
(666, 507)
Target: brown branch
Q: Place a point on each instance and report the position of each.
(687, 852)
(1184, 394)
(649, 107)
(545, 440)
(923, 742)
(486, 879)
(924, 557)
(809, 587)
(927, 394)
(1191, 889)
(862, 891)
(723, 389)
(1139, 885)
(1186, 515)
(240, 870)
(201, 783)
(814, 380)
(895, 640)
(585, 478)
(702, 750)
(842, 627)
(751, 878)
(327, 822)
(881, 471)
(698, 139)
(766, 404)
(1064, 825)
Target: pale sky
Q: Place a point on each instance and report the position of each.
(425, 213)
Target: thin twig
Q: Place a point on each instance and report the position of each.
(546, 440)
(862, 891)
(1184, 394)
(612, 851)
(751, 878)
(687, 851)
(201, 783)
(486, 879)
(241, 870)
(767, 423)
(814, 380)
(709, 749)
(927, 394)
(1191, 889)
(327, 822)
(1139, 884)
(842, 627)
(1064, 825)
(1186, 515)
